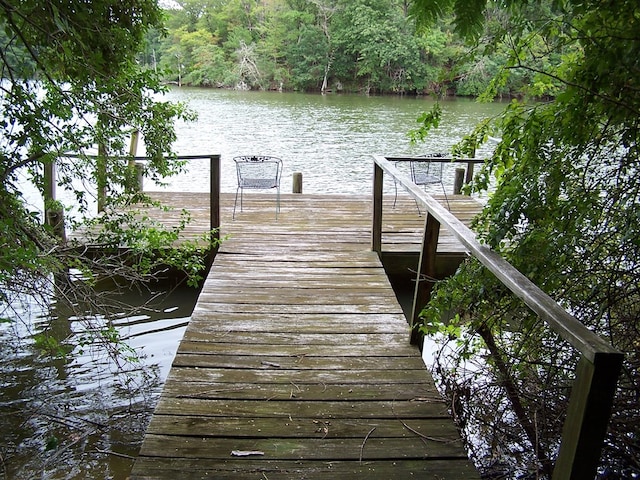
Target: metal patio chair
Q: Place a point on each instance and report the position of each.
(257, 172)
(425, 173)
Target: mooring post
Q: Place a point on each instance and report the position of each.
(297, 182)
(458, 181)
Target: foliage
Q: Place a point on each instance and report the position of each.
(70, 82)
(370, 46)
(564, 211)
(151, 247)
(426, 121)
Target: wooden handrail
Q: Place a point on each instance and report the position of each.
(214, 200)
(599, 367)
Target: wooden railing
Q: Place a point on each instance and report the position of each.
(599, 366)
(214, 188)
(57, 221)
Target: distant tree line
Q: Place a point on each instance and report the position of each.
(367, 46)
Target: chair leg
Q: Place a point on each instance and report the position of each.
(444, 190)
(277, 201)
(395, 198)
(235, 203)
(418, 207)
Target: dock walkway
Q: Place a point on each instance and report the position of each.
(296, 362)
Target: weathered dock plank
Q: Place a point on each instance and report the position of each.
(298, 351)
(257, 468)
(307, 216)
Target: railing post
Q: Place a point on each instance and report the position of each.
(214, 200)
(53, 212)
(469, 177)
(587, 418)
(136, 169)
(425, 275)
(101, 176)
(376, 229)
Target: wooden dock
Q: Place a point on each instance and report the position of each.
(296, 362)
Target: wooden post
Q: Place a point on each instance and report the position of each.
(587, 418)
(214, 200)
(376, 229)
(55, 218)
(101, 176)
(425, 275)
(458, 181)
(139, 168)
(49, 184)
(297, 182)
(53, 214)
(133, 146)
(136, 168)
(469, 177)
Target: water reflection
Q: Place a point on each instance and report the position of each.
(84, 415)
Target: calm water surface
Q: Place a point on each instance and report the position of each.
(84, 416)
(329, 138)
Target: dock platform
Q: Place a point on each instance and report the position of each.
(296, 363)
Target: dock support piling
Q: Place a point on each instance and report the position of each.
(458, 181)
(297, 182)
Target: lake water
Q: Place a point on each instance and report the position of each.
(329, 138)
(75, 418)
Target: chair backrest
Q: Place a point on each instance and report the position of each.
(258, 171)
(426, 172)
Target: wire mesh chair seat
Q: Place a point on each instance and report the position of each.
(257, 172)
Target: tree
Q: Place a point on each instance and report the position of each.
(70, 82)
(368, 45)
(376, 45)
(564, 211)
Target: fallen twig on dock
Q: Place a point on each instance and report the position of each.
(364, 442)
